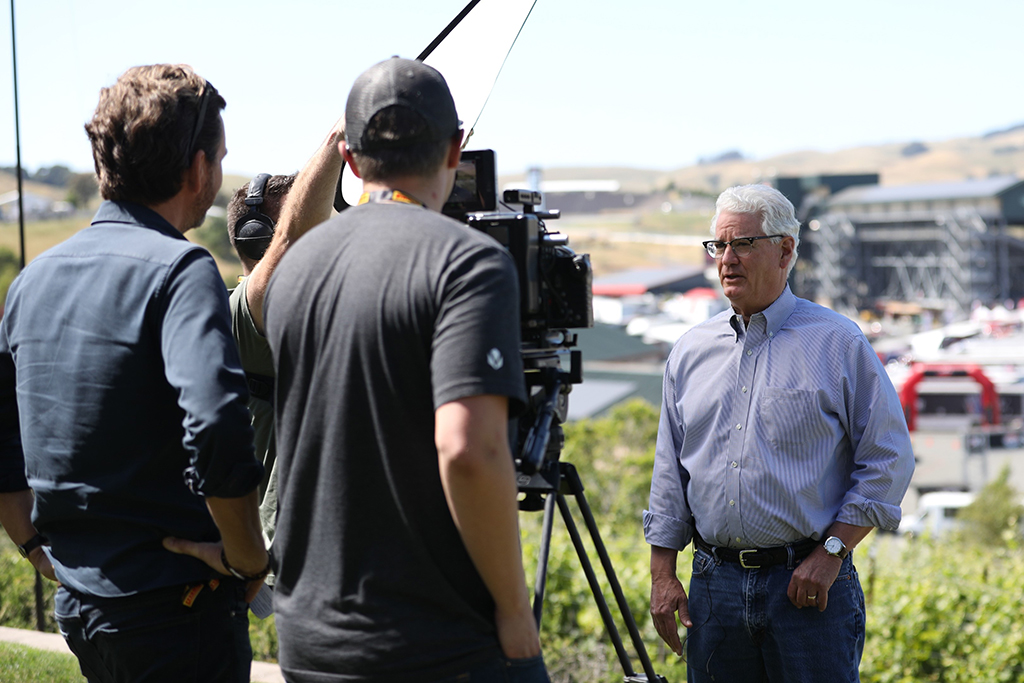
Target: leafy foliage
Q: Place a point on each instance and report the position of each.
(263, 638)
(213, 234)
(82, 187)
(9, 269)
(944, 611)
(17, 604)
(17, 590)
(614, 456)
(993, 519)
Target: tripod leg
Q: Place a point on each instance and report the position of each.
(542, 557)
(571, 478)
(595, 588)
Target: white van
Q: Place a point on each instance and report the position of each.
(937, 513)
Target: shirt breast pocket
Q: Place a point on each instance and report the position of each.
(794, 419)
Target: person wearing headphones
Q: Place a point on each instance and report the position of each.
(261, 227)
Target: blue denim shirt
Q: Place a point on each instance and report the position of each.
(131, 401)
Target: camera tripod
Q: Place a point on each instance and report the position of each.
(542, 474)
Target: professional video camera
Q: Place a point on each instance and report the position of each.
(555, 296)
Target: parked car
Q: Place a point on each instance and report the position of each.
(937, 513)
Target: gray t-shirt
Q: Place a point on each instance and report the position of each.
(376, 319)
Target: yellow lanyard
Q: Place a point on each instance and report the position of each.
(389, 196)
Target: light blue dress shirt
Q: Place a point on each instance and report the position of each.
(771, 432)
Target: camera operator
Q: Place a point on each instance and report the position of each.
(395, 334)
(131, 399)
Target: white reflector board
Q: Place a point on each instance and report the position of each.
(470, 59)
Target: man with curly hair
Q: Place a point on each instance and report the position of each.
(124, 405)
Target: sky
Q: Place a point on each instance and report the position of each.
(651, 84)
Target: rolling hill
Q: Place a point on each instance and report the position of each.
(996, 153)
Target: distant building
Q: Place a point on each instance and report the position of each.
(36, 206)
(809, 193)
(944, 246)
(585, 196)
(620, 297)
(616, 367)
(809, 196)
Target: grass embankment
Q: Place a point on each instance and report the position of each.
(41, 235)
(23, 664)
(603, 237)
(594, 235)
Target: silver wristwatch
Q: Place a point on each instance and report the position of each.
(835, 547)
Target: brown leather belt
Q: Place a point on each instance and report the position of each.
(755, 558)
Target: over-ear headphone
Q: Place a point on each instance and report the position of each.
(254, 228)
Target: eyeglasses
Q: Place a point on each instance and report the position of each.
(741, 246)
(204, 100)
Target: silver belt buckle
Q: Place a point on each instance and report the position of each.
(743, 559)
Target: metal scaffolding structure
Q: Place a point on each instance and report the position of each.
(943, 260)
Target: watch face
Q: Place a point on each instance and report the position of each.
(834, 546)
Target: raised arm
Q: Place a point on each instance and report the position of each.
(308, 204)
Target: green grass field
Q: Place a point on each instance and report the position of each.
(23, 664)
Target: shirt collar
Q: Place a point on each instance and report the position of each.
(775, 315)
(780, 310)
(134, 214)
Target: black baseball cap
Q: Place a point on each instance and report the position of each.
(403, 83)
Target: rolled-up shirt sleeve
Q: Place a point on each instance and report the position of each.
(882, 451)
(668, 523)
(201, 362)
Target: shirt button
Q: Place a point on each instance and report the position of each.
(732, 503)
(750, 353)
(744, 390)
(739, 540)
(771, 334)
(734, 464)
(739, 426)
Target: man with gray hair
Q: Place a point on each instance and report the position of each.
(781, 445)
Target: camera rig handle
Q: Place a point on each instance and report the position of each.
(529, 199)
(536, 446)
(549, 410)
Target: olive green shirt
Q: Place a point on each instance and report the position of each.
(256, 358)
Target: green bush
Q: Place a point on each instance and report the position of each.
(993, 519)
(944, 611)
(17, 590)
(213, 234)
(17, 603)
(9, 269)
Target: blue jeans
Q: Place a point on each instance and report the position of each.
(152, 637)
(745, 629)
